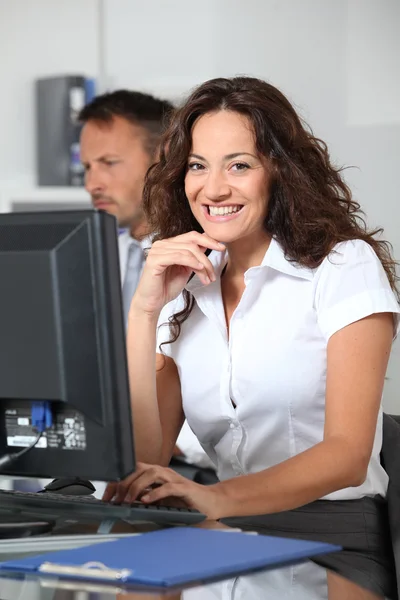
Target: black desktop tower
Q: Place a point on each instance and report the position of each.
(58, 102)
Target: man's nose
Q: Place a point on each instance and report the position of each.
(93, 182)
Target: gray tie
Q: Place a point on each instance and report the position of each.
(132, 276)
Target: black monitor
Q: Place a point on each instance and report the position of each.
(62, 342)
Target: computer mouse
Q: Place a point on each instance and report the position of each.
(70, 487)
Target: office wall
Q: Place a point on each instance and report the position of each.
(38, 38)
(372, 131)
(337, 60)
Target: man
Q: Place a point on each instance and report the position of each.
(119, 142)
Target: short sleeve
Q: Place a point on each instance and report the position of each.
(163, 329)
(351, 285)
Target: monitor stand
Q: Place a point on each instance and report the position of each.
(15, 526)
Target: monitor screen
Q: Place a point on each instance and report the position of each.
(62, 341)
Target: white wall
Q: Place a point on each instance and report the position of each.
(38, 38)
(373, 54)
(286, 41)
(372, 132)
(337, 60)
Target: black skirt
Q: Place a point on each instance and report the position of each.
(360, 526)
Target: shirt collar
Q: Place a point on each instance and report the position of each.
(274, 258)
(144, 243)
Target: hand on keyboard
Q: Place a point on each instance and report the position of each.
(167, 485)
(171, 501)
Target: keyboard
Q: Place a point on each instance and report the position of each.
(54, 505)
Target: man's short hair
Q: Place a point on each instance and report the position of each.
(137, 108)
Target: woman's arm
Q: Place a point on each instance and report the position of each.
(356, 365)
(169, 405)
(141, 344)
(155, 397)
(155, 393)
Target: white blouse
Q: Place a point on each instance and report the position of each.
(258, 398)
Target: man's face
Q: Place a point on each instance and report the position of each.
(116, 163)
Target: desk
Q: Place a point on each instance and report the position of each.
(307, 581)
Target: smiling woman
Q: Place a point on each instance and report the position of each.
(265, 316)
(223, 186)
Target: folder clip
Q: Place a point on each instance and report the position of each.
(92, 570)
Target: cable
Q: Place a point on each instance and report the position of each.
(6, 459)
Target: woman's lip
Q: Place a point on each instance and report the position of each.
(220, 218)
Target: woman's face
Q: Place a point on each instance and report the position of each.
(227, 183)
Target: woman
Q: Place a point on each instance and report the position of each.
(276, 311)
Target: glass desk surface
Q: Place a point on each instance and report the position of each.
(305, 581)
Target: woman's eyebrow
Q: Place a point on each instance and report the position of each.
(226, 157)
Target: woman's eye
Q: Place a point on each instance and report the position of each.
(195, 167)
(240, 166)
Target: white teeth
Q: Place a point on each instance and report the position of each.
(223, 210)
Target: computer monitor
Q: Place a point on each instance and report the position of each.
(62, 341)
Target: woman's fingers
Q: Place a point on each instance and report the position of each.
(176, 257)
(182, 254)
(119, 492)
(185, 250)
(199, 253)
(145, 477)
(169, 257)
(166, 490)
(157, 483)
(110, 491)
(117, 488)
(139, 486)
(204, 241)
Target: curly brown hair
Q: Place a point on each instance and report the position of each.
(310, 208)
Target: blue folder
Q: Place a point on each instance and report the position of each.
(170, 557)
